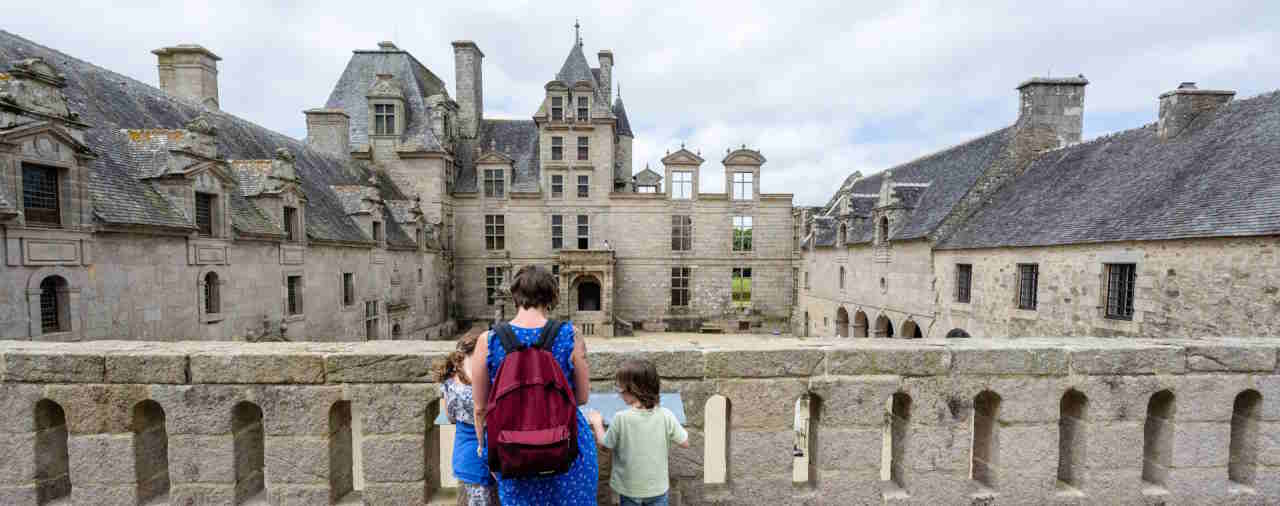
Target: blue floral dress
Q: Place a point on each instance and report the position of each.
(576, 487)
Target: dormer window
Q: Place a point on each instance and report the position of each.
(682, 185)
(290, 224)
(583, 109)
(377, 232)
(494, 184)
(557, 109)
(40, 196)
(384, 119)
(743, 186)
(204, 214)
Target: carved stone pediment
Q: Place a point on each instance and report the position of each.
(385, 86)
(35, 86)
(200, 137)
(682, 157)
(46, 141)
(743, 156)
(495, 157)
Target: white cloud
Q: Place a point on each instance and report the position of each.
(821, 89)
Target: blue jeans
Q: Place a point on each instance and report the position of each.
(660, 500)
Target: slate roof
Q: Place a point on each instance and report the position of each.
(1221, 179)
(110, 102)
(517, 139)
(648, 177)
(575, 68)
(624, 125)
(416, 82)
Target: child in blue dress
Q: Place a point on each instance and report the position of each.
(475, 485)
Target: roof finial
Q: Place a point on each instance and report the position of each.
(577, 34)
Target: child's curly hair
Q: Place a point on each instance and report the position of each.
(453, 364)
(640, 378)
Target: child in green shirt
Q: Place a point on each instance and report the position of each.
(640, 437)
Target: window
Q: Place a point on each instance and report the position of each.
(681, 233)
(1120, 280)
(583, 112)
(682, 184)
(557, 108)
(584, 187)
(494, 183)
(964, 275)
(212, 302)
(743, 186)
(294, 284)
(842, 277)
(40, 196)
(557, 186)
(646, 188)
(420, 277)
(290, 224)
(741, 286)
(1028, 282)
(384, 119)
(584, 144)
(742, 233)
(584, 231)
(884, 229)
(555, 271)
(492, 281)
(53, 305)
(679, 287)
(495, 232)
(371, 320)
(806, 280)
(348, 289)
(557, 231)
(557, 148)
(204, 214)
(377, 232)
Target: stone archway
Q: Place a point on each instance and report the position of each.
(884, 327)
(587, 294)
(842, 323)
(860, 324)
(911, 330)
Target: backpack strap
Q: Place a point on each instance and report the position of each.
(508, 338)
(549, 332)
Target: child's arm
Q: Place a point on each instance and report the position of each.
(676, 433)
(597, 425)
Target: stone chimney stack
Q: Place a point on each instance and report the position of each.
(467, 62)
(606, 74)
(1180, 108)
(329, 131)
(189, 71)
(1051, 113)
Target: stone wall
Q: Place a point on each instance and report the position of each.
(1185, 288)
(907, 293)
(1147, 421)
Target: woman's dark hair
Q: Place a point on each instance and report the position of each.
(534, 287)
(453, 363)
(640, 378)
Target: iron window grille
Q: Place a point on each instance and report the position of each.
(557, 148)
(348, 289)
(681, 233)
(679, 286)
(51, 305)
(204, 214)
(557, 186)
(682, 184)
(743, 188)
(40, 196)
(584, 231)
(1120, 284)
(964, 276)
(492, 281)
(494, 183)
(557, 231)
(1028, 285)
(290, 224)
(384, 119)
(495, 232)
(212, 302)
(370, 320)
(557, 109)
(742, 233)
(295, 295)
(584, 144)
(584, 187)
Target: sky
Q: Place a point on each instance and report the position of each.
(821, 89)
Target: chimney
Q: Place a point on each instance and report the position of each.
(1180, 108)
(189, 71)
(329, 131)
(606, 74)
(1051, 113)
(467, 61)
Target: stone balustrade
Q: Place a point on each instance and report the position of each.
(1029, 421)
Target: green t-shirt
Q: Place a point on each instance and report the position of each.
(640, 439)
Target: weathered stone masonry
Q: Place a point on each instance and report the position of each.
(1040, 421)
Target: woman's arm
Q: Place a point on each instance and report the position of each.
(581, 371)
(479, 373)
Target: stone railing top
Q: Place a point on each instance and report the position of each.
(691, 356)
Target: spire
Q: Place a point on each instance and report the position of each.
(577, 32)
(620, 112)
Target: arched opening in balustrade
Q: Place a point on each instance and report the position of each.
(985, 450)
(884, 327)
(957, 333)
(842, 322)
(53, 478)
(150, 451)
(341, 457)
(805, 447)
(715, 422)
(250, 456)
(1073, 411)
(911, 330)
(1242, 466)
(1157, 442)
(860, 324)
(437, 450)
(897, 422)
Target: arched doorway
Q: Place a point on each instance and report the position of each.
(911, 330)
(588, 295)
(884, 327)
(860, 324)
(842, 323)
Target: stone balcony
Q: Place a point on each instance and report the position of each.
(1029, 421)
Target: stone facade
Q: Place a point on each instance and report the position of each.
(1039, 421)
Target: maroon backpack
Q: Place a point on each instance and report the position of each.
(531, 427)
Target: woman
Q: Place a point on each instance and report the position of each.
(535, 292)
(475, 485)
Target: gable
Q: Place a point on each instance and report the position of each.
(45, 141)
